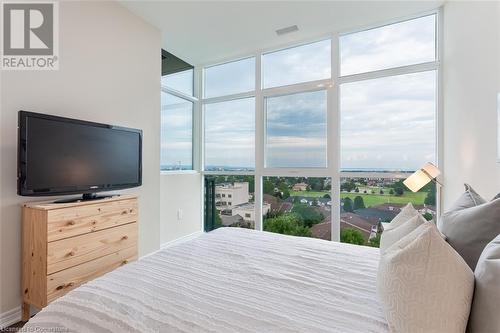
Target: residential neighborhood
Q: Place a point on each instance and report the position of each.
(302, 206)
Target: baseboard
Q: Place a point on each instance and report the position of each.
(181, 239)
(10, 317)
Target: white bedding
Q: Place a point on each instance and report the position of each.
(229, 280)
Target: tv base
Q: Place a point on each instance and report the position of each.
(86, 197)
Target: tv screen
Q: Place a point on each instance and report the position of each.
(68, 156)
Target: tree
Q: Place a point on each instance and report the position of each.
(218, 220)
(428, 216)
(359, 203)
(268, 187)
(381, 191)
(285, 192)
(327, 196)
(287, 224)
(391, 191)
(430, 199)
(316, 184)
(356, 190)
(352, 236)
(310, 215)
(399, 191)
(348, 186)
(399, 187)
(348, 205)
(375, 241)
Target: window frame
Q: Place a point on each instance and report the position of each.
(332, 87)
(194, 128)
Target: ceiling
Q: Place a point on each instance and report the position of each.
(203, 32)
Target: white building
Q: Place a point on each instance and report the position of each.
(230, 195)
(247, 211)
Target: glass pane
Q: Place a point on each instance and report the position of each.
(297, 64)
(389, 123)
(181, 81)
(372, 198)
(298, 206)
(230, 135)
(234, 201)
(406, 43)
(176, 133)
(296, 130)
(230, 78)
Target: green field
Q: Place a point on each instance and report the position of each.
(372, 199)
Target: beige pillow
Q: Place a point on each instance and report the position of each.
(391, 236)
(484, 316)
(424, 285)
(406, 213)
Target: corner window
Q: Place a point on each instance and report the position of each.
(176, 133)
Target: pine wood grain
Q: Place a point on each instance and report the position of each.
(78, 220)
(61, 282)
(76, 250)
(65, 245)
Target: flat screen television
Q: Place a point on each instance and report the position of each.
(62, 156)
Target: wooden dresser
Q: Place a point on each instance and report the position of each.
(68, 244)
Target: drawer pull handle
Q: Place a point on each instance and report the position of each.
(71, 222)
(125, 237)
(61, 287)
(124, 262)
(124, 212)
(72, 253)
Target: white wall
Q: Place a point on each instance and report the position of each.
(471, 82)
(180, 191)
(109, 72)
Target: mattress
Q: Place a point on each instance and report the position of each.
(229, 280)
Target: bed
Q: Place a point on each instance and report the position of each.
(229, 280)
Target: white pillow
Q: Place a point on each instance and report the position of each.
(424, 285)
(391, 236)
(406, 213)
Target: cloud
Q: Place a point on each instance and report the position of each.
(230, 133)
(387, 123)
(395, 45)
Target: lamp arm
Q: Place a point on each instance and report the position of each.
(431, 178)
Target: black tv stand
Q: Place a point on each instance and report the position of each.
(87, 197)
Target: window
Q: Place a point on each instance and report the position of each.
(176, 133)
(240, 211)
(389, 123)
(296, 130)
(361, 129)
(297, 64)
(230, 135)
(298, 206)
(378, 197)
(180, 81)
(230, 78)
(401, 44)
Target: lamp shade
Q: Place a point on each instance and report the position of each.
(422, 177)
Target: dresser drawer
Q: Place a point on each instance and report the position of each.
(69, 252)
(61, 282)
(68, 222)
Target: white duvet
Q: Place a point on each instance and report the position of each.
(229, 280)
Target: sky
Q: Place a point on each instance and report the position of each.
(386, 123)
